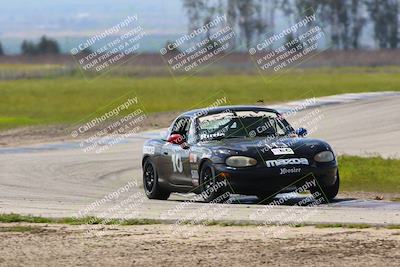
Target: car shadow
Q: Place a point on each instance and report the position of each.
(283, 200)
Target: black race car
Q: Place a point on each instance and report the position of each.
(237, 149)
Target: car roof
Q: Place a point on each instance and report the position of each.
(215, 110)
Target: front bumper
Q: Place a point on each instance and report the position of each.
(260, 179)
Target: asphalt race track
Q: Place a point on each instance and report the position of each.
(61, 180)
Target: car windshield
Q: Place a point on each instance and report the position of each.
(235, 124)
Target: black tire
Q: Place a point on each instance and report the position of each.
(328, 192)
(150, 182)
(207, 181)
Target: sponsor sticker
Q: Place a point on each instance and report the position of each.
(282, 151)
(289, 170)
(283, 162)
(206, 155)
(211, 136)
(148, 150)
(195, 174)
(192, 158)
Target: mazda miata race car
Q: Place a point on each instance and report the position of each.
(246, 150)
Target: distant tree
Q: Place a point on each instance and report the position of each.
(174, 49)
(195, 10)
(251, 18)
(292, 42)
(45, 46)
(336, 14)
(344, 20)
(48, 46)
(299, 9)
(1, 50)
(385, 17)
(28, 48)
(87, 51)
(358, 21)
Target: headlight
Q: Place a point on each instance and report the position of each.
(324, 156)
(240, 161)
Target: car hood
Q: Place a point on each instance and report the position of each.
(269, 147)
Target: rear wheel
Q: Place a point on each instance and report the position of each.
(328, 192)
(150, 182)
(211, 189)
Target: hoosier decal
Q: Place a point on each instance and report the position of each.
(290, 170)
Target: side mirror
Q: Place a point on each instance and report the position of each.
(164, 135)
(176, 139)
(301, 132)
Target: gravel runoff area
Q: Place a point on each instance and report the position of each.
(25, 244)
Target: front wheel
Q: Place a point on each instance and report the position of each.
(212, 190)
(328, 192)
(150, 182)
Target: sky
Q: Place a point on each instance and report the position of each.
(70, 20)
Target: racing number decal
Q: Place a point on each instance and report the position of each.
(177, 162)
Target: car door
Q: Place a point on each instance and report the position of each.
(174, 162)
(180, 165)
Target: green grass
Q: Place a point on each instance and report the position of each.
(28, 68)
(341, 225)
(20, 71)
(393, 227)
(71, 99)
(373, 174)
(9, 218)
(13, 217)
(356, 226)
(19, 229)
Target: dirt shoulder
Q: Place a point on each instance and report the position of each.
(153, 245)
(58, 133)
(369, 196)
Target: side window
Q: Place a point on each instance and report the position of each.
(181, 126)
